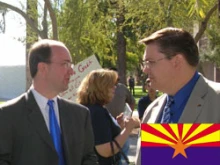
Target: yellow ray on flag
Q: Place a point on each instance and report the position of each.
(213, 137)
(195, 132)
(175, 129)
(147, 137)
(163, 130)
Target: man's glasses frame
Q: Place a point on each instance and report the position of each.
(65, 64)
(151, 63)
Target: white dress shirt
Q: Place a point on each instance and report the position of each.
(44, 108)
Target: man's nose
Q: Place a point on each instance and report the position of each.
(71, 71)
(145, 69)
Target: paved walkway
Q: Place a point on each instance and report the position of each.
(133, 146)
(133, 143)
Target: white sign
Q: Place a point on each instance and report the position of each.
(80, 71)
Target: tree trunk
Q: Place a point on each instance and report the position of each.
(121, 55)
(24, 15)
(202, 29)
(53, 18)
(204, 23)
(31, 36)
(32, 30)
(121, 44)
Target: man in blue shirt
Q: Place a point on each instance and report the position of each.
(145, 101)
(170, 59)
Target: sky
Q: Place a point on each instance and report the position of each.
(12, 51)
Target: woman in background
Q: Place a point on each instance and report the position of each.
(96, 90)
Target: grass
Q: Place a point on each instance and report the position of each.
(138, 94)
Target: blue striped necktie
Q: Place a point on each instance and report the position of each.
(166, 111)
(55, 132)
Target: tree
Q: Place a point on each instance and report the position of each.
(121, 41)
(2, 20)
(31, 36)
(33, 30)
(110, 29)
(138, 18)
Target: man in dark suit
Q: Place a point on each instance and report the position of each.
(131, 85)
(25, 126)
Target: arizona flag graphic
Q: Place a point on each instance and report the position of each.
(180, 144)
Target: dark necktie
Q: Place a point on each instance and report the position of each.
(166, 112)
(55, 132)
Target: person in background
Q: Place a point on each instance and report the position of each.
(131, 83)
(121, 96)
(171, 59)
(146, 100)
(39, 127)
(117, 105)
(96, 90)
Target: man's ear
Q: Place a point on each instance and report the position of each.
(178, 61)
(42, 67)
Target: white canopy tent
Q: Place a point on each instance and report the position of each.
(12, 81)
(12, 67)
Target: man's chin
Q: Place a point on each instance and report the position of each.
(153, 86)
(64, 88)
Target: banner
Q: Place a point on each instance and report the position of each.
(180, 144)
(80, 71)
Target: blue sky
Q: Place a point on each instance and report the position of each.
(13, 51)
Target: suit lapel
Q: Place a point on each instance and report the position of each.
(37, 120)
(192, 109)
(66, 125)
(195, 102)
(155, 110)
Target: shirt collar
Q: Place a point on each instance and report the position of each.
(41, 100)
(183, 94)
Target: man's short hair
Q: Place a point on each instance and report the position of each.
(172, 41)
(41, 52)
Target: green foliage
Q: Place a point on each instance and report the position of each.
(89, 27)
(212, 55)
(72, 21)
(88, 31)
(212, 51)
(198, 7)
(132, 59)
(138, 94)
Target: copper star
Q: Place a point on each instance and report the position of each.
(179, 148)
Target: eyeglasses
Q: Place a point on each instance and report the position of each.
(151, 63)
(66, 64)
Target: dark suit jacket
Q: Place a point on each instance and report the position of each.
(25, 140)
(203, 106)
